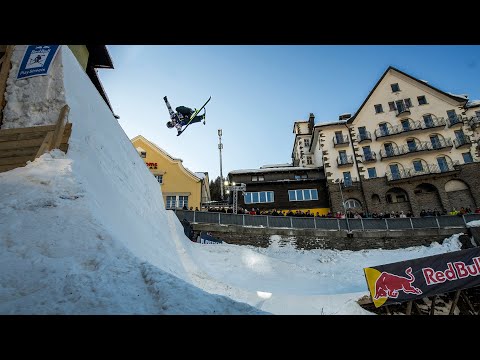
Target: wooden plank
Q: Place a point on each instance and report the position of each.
(432, 307)
(67, 133)
(409, 308)
(16, 160)
(41, 128)
(24, 136)
(45, 144)
(59, 128)
(454, 303)
(417, 308)
(64, 147)
(387, 310)
(18, 152)
(4, 71)
(467, 300)
(19, 144)
(4, 168)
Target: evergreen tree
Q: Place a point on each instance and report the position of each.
(215, 191)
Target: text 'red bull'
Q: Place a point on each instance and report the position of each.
(388, 285)
(458, 270)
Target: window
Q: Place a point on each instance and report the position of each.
(406, 125)
(143, 154)
(339, 137)
(159, 178)
(171, 202)
(442, 164)
(258, 197)
(389, 149)
(258, 178)
(378, 108)
(307, 143)
(367, 153)
(183, 201)
(309, 160)
(435, 141)
(383, 129)
(408, 103)
(391, 104)
(460, 136)
(362, 133)
(347, 178)
(477, 114)
(400, 106)
(302, 195)
(343, 156)
(301, 176)
(395, 172)
(467, 157)
(452, 116)
(412, 145)
(418, 166)
(427, 119)
(395, 87)
(372, 173)
(421, 100)
(352, 204)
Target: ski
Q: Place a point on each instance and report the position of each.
(195, 113)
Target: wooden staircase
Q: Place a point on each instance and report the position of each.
(17, 146)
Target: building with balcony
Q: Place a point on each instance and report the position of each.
(410, 146)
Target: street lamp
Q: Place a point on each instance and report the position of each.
(220, 147)
(235, 188)
(343, 204)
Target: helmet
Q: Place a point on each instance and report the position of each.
(170, 124)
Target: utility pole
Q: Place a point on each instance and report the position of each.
(220, 147)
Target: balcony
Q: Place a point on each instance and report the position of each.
(452, 121)
(419, 147)
(345, 160)
(402, 111)
(364, 136)
(463, 141)
(371, 157)
(430, 169)
(340, 141)
(474, 122)
(351, 184)
(412, 126)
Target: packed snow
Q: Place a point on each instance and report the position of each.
(87, 233)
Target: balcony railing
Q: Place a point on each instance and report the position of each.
(345, 161)
(412, 126)
(462, 141)
(428, 169)
(364, 136)
(451, 121)
(369, 157)
(340, 140)
(419, 146)
(402, 111)
(350, 184)
(474, 122)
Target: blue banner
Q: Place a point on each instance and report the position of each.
(37, 60)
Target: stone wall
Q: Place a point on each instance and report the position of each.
(323, 239)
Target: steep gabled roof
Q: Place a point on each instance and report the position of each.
(172, 159)
(454, 97)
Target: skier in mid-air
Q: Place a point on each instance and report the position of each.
(183, 116)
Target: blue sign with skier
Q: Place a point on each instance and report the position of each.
(37, 60)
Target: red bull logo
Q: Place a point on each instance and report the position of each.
(385, 285)
(388, 285)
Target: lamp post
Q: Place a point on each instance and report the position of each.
(235, 189)
(343, 204)
(220, 147)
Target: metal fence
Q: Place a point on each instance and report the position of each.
(428, 222)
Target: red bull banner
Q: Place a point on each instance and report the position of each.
(427, 276)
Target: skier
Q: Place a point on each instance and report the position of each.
(184, 114)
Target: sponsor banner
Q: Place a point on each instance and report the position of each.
(37, 60)
(205, 238)
(427, 276)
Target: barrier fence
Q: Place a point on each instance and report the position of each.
(428, 222)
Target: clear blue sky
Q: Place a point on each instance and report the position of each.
(259, 91)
